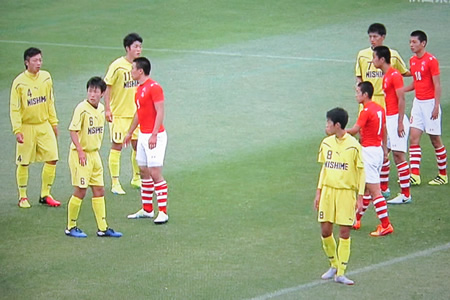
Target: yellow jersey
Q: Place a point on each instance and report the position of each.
(123, 88)
(89, 122)
(366, 70)
(31, 100)
(343, 166)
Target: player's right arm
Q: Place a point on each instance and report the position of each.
(133, 126)
(14, 112)
(107, 97)
(76, 141)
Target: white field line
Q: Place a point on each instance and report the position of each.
(204, 52)
(369, 268)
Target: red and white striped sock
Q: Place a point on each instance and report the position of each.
(366, 203)
(381, 209)
(415, 156)
(161, 195)
(384, 175)
(404, 175)
(441, 157)
(147, 188)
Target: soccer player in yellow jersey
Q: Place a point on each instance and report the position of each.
(341, 179)
(86, 133)
(366, 71)
(35, 125)
(120, 109)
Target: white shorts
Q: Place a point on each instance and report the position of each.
(147, 157)
(421, 117)
(394, 142)
(373, 161)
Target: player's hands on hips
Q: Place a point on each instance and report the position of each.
(152, 141)
(19, 137)
(435, 113)
(108, 115)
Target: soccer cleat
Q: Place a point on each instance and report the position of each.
(414, 179)
(439, 180)
(136, 183)
(75, 232)
(357, 224)
(344, 280)
(329, 274)
(23, 203)
(48, 200)
(141, 214)
(109, 232)
(117, 189)
(161, 218)
(380, 231)
(386, 194)
(400, 199)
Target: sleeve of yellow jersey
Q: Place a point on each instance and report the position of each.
(398, 63)
(14, 109)
(75, 124)
(109, 77)
(357, 66)
(51, 105)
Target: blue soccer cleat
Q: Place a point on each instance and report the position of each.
(109, 232)
(75, 232)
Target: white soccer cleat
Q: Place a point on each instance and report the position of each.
(140, 214)
(329, 274)
(161, 218)
(344, 280)
(400, 199)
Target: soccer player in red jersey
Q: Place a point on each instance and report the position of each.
(371, 125)
(426, 110)
(396, 121)
(152, 141)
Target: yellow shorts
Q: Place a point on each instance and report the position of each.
(39, 144)
(118, 129)
(90, 174)
(337, 206)
(377, 99)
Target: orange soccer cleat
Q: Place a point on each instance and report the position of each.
(48, 200)
(380, 231)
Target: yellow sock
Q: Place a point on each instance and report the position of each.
(114, 165)
(22, 180)
(98, 206)
(48, 177)
(73, 211)
(343, 254)
(329, 246)
(136, 171)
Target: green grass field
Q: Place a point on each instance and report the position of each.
(247, 86)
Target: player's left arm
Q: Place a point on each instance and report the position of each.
(401, 110)
(159, 107)
(437, 96)
(51, 109)
(354, 130)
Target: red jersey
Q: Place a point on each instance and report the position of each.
(371, 120)
(392, 81)
(423, 69)
(147, 94)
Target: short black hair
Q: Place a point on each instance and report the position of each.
(142, 63)
(338, 115)
(377, 28)
(383, 52)
(366, 87)
(96, 82)
(130, 39)
(29, 53)
(419, 34)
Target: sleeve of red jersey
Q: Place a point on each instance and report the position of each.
(157, 93)
(397, 81)
(362, 119)
(434, 66)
